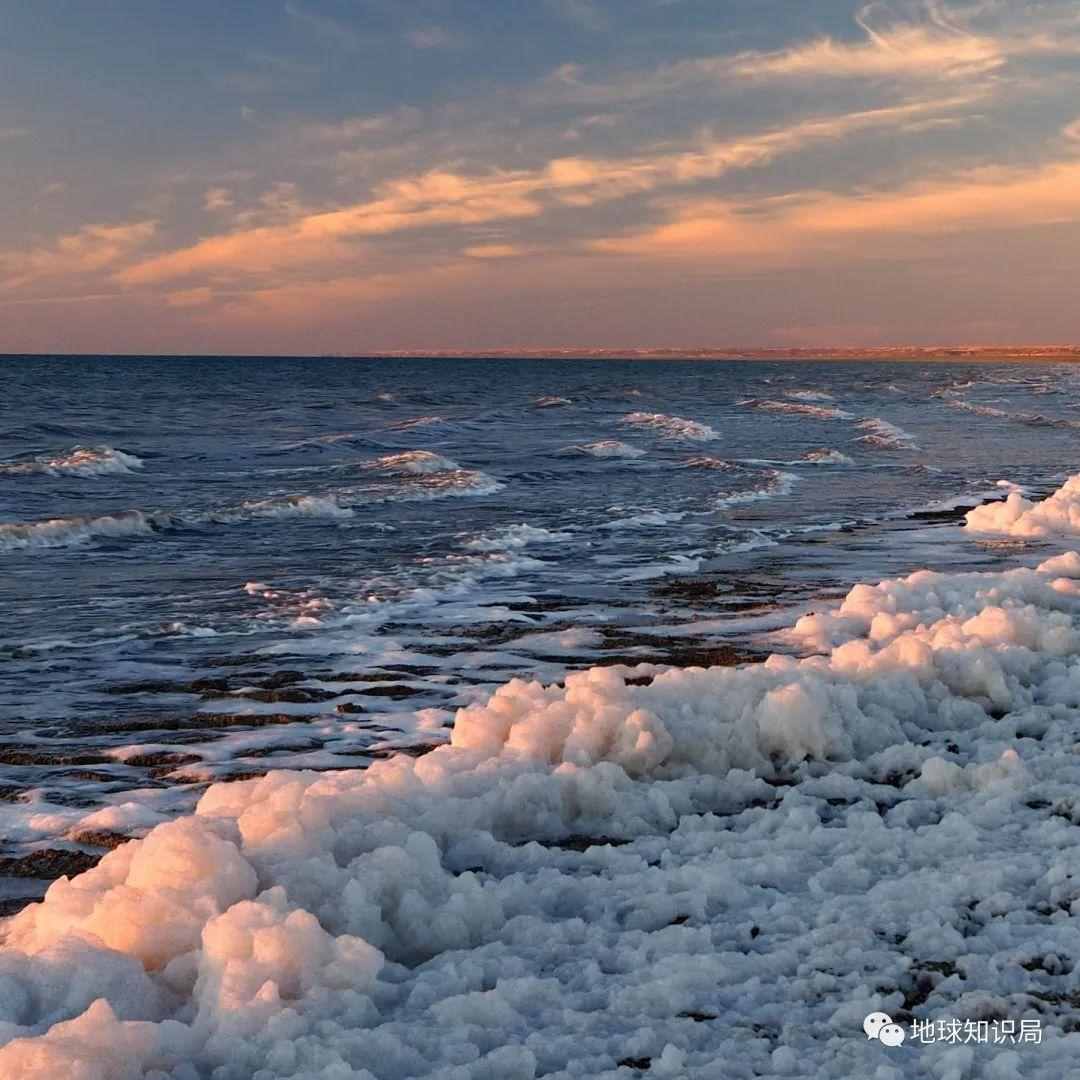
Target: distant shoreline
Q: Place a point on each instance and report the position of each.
(886, 353)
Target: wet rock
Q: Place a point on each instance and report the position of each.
(102, 838)
(162, 763)
(49, 863)
(40, 756)
(293, 695)
(395, 691)
(350, 708)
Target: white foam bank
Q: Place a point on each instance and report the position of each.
(801, 842)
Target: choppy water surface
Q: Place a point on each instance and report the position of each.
(214, 567)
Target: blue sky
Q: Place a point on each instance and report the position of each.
(341, 175)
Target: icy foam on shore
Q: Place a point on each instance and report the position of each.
(805, 841)
(1059, 515)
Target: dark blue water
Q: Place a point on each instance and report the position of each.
(211, 566)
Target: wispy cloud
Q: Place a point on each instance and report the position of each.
(799, 225)
(442, 199)
(91, 248)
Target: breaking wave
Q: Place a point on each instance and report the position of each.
(79, 461)
(886, 436)
(818, 412)
(72, 531)
(607, 448)
(674, 427)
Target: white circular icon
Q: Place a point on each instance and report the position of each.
(873, 1024)
(891, 1035)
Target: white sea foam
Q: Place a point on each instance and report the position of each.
(674, 427)
(444, 917)
(1017, 516)
(79, 461)
(551, 402)
(515, 537)
(72, 531)
(887, 436)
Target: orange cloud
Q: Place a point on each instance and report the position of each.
(787, 228)
(441, 199)
(93, 247)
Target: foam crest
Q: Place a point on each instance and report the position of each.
(673, 427)
(79, 461)
(73, 531)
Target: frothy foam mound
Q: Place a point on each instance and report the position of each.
(71, 531)
(819, 412)
(79, 461)
(675, 427)
(887, 436)
(449, 916)
(607, 448)
(1058, 515)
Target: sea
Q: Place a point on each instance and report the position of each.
(215, 567)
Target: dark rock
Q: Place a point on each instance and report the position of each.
(49, 863)
(103, 838)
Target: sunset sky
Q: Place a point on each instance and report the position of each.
(343, 175)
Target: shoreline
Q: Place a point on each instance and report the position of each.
(1029, 354)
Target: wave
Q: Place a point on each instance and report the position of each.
(777, 485)
(811, 457)
(818, 412)
(423, 476)
(551, 402)
(1027, 418)
(607, 448)
(808, 395)
(78, 461)
(417, 462)
(416, 422)
(289, 506)
(515, 537)
(675, 427)
(887, 436)
(295, 921)
(73, 531)
(827, 457)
